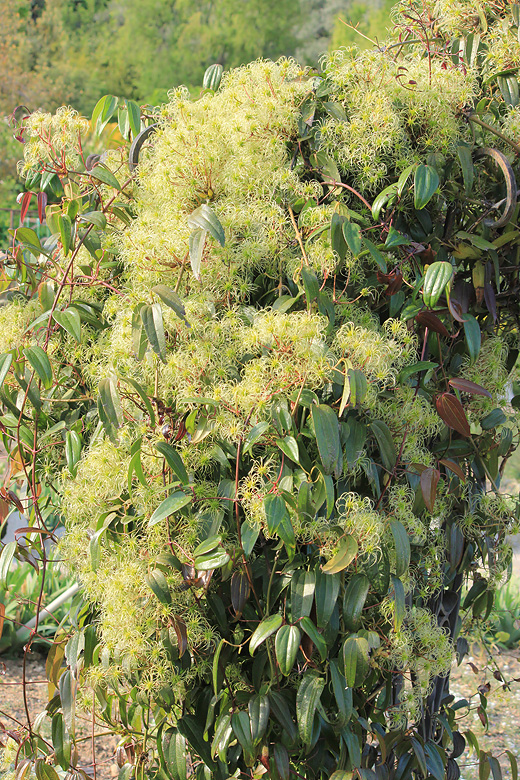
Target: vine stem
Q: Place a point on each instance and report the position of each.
(475, 119)
(298, 235)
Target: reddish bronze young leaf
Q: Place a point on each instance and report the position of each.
(452, 466)
(465, 386)
(429, 481)
(430, 320)
(42, 202)
(25, 206)
(449, 409)
(455, 309)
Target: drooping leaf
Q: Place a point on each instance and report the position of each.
(302, 593)
(65, 231)
(278, 519)
(39, 360)
(70, 321)
(326, 428)
(134, 117)
(449, 409)
(171, 299)
(402, 547)
(265, 628)
(286, 646)
(197, 242)
(103, 112)
(6, 558)
(307, 700)
(173, 754)
(465, 386)
(429, 480)
(169, 506)
(142, 395)
(347, 551)
(438, 275)
(352, 234)
(355, 657)
(473, 336)
(326, 595)
(354, 600)
(259, 710)
(109, 405)
(152, 319)
(5, 364)
(156, 581)
(426, 181)
(399, 602)
(205, 218)
(314, 635)
(385, 443)
(242, 729)
(174, 461)
(104, 175)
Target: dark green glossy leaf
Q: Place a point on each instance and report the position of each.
(174, 461)
(354, 600)
(173, 754)
(205, 218)
(438, 275)
(103, 174)
(286, 647)
(473, 336)
(326, 428)
(171, 299)
(326, 595)
(302, 593)
(109, 405)
(265, 629)
(385, 443)
(402, 547)
(426, 181)
(314, 635)
(157, 582)
(242, 730)
(307, 700)
(355, 657)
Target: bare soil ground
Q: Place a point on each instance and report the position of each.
(503, 709)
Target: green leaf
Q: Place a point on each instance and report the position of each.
(282, 713)
(354, 599)
(491, 420)
(265, 628)
(156, 581)
(191, 729)
(403, 178)
(60, 741)
(222, 737)
(508, 86)
(376, 255)
(426, 181)
(314, 635)
(402, 547)
(386, 196)
(337, 238)
(5, 364)
(259, 710)
(355, 389)
(415, 368)
(169, 506)
(174, 461)
(171, 299)
(326, 428)
(103, 112)
(438, 275)
(6, 558)
(307, 700)
(123, 123)
(352, 233)
(212, 77)
(143, 395)
(347, 551)
(72, 450)
(342, 693)
(65, 231)
(139, 340)
(286, 647)
(43, 771)
(103, 174)
(173, 754)
(109, 404)
(134, 117)
(213, 560)
(30, 241)
(399, 602)
(197, 242)
(472, 335)
(278, 519)
(310, 284)
(395, 238)
(466, 164)
(205, 218)
(254, 435)
(302, 593)
(38, 359)
(281, 761)
(434, 761)
(326, 595)
(289, 447)
(242, 730)
(355, 657)
(70, 321)
(96, 218)
(67, 698)
(152, 319)
(385, 443)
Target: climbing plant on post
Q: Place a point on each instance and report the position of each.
(261, 369)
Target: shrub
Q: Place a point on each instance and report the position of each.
(264, 375)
